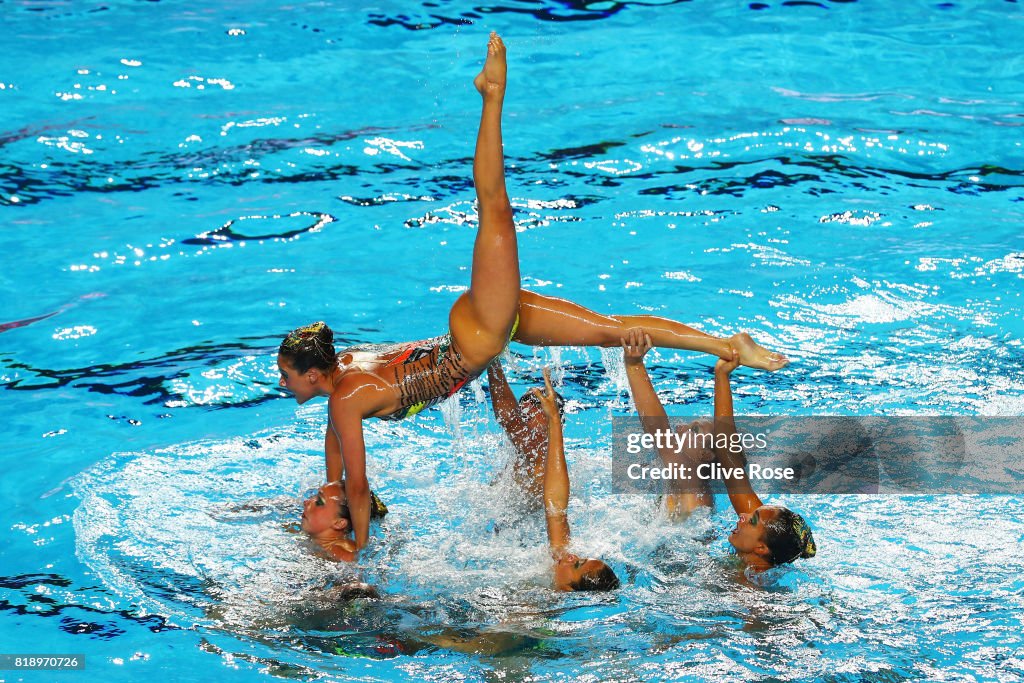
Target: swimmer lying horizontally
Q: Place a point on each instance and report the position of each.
(396, 381)
(765, 535)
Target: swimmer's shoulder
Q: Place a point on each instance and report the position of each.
(364, 391)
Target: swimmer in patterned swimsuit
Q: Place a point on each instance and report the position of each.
(396, 381)
(443, 360)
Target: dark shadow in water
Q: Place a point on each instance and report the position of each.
(150, 379)
(451, 178)
(61, 178)
(20, 596)
(229, 233)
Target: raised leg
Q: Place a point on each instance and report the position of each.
(549, 321)
(481, 319)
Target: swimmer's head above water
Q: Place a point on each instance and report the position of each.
(533, 414)
(574, 573)
(327, 520)
(772, 535)
(323, 514)
(305, 357)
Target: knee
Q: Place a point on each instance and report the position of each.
(480, 353)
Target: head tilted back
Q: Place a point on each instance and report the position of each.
(601, 579)
(531, 398)
(788, 538)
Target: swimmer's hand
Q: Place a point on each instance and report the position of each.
(635, 346)
(724, 368)
(547, 397)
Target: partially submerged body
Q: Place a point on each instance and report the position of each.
(534, 425)
(327, 519)
(765, 536)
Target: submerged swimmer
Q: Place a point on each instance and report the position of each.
(526, 427)
(765, 535)
(397, 381)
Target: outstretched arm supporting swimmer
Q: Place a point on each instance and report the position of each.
(741, 494)
(541, 472)
(765, 535)
(682, 499)
(347, 408)
(635, 346)
(556, 474)
(332, 453)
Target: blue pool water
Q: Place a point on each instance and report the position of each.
(182, 183)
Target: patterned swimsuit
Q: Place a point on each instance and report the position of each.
(422, 365)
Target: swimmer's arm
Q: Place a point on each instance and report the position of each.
(653, 417)
(332, 453)
(741, 495)
(556, 489)
(348, 407)
(505, 406)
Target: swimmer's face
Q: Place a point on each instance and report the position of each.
(693, 451)
(294, 381)
(749, 534)
(571, 568)
(321, 512)
(534, 416)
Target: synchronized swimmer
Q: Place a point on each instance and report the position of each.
(534, 426)
(765, 536)
(400, 380)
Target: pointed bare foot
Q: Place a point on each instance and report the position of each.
(491, 79)
(753, 355)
